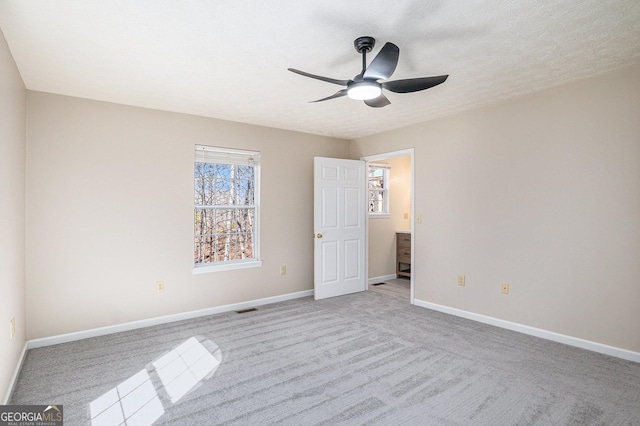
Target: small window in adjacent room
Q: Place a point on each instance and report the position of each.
(379, 189)
(226, 209)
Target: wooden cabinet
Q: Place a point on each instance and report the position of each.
(403, 254)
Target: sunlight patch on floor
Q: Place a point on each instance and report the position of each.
(184, 367)
(138, 400)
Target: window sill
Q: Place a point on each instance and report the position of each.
(379, 215)
(227, 266)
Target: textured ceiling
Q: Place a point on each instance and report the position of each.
(229, 59)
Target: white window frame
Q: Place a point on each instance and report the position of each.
(233, 156)
(385, 191)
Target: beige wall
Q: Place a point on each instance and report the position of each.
(400, 185)
(542, 192)
(12, 221)
(382, 245)
(110, 211)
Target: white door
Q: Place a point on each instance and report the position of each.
(339, 226)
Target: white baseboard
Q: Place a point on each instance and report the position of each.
(532, 331)
(102, 331)
(381, 279)
(16, 373)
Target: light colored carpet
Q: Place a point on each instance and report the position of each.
(397, 287)
(365, 358)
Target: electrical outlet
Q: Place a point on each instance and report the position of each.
(159, 286)
(461, 280)
(12, 327)
(505, 288)
(406, 215)
(283, 270)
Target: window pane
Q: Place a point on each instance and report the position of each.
(378, 191)
(223, 234)
(224, 184)
(376, 201)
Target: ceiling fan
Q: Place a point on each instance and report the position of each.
(365, 86)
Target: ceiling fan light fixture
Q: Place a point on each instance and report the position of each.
(365, 86)
(364, 90)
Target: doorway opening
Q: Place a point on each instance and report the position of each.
(390, 224)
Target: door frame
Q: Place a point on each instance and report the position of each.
(377, 157)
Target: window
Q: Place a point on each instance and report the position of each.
(378, 189)
(226, 189)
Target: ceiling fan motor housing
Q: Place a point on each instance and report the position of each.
(364, 44)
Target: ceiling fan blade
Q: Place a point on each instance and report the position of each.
(378, 102)
(384, 64)
(338, 94)
(413, 84)
(319, 77)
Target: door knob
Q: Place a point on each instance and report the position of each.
(319, 235)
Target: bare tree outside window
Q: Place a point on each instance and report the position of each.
(378, 189)
(225, 212)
